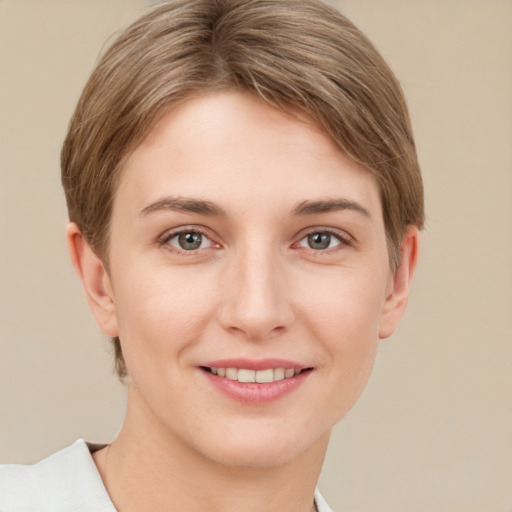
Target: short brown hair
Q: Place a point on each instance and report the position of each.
(290, 53)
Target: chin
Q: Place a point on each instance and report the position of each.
(255, 457)
(264, 448)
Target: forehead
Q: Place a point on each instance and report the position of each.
(232, 147)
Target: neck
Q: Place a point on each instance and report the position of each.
(150, 468)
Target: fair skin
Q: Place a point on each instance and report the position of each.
(240, 238)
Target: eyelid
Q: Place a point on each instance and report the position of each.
(168, 235)
(344, 238)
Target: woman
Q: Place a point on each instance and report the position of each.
(244, 201)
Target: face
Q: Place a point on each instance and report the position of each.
(249, 278)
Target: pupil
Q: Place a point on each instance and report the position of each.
(319, 240)
(190, 241)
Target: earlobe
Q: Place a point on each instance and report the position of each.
(396, 301)
(95, 280)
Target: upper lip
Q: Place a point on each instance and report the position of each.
(254, 364)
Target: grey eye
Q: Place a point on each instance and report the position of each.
(320, 240)
(189, 241)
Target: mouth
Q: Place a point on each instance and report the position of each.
(263, 376)
(255, 382)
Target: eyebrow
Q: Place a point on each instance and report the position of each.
(203, 207)
(184, 205)
(329, 205)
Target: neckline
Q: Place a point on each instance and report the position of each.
(319, 501)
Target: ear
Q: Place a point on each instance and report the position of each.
(396, 301)
(95, 280)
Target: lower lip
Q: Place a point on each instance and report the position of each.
(254, 393)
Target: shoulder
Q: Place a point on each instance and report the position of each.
(65, 481)
(16, 489)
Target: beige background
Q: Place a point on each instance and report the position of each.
(433, 430)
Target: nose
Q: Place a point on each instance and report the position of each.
(256, 295)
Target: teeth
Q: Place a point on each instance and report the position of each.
(279, 374)
(265, 375)
(231, 373)
(260, 376)
(246, 375)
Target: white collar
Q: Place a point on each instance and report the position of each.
(67, 480)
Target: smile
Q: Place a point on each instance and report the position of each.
(259, 376)
(255, 382)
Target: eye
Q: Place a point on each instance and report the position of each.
(322, 240)
(188, 241)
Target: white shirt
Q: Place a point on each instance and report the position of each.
(67, 481)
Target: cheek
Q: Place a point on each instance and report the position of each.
(161, 311)
(344, 317)
(344, 306)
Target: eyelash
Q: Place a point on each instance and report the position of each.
(343, 238)
(167, 237)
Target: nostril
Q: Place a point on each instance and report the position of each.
(261, 332)
(254, 316)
